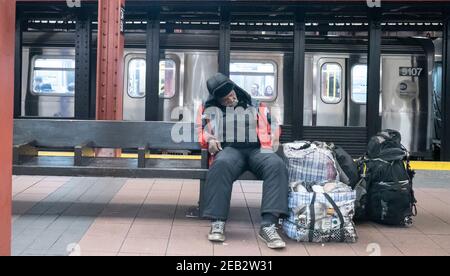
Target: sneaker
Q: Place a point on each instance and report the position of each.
(217, 233)
(271, 237)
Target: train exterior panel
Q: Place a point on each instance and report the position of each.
(334, 93)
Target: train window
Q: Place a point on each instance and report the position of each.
(167, 71)
(359, 83)
(136, 78)
(331, 76)
(259, 78)
(53, 76)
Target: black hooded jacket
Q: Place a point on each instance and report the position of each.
(218, 86)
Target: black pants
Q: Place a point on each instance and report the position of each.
(229, 164)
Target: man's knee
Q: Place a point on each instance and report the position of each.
(223, 164)
(275, 164)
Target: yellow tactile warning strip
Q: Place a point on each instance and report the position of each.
(59, 154)
(128, 155)
(416, 165)
(430, 166)
(164, 156)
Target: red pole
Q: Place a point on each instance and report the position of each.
(110, 51)
(7, 42)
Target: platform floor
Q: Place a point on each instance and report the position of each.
(116, 216)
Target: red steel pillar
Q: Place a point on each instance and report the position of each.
(110, 65)
(7, 43)
(110, 51)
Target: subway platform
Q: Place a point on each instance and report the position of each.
(146, 217)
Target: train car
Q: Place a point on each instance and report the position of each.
(335, 82)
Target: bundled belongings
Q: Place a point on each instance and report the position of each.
(319, 162)
(310, 162)
(321, 213)
(321, 206)
(387, 182)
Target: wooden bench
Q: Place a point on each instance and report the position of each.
(84, 137)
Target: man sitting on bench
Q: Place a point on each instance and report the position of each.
(238, 134)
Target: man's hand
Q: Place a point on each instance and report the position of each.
(214, 146)
(275, 143)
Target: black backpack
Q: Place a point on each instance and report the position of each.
(386, 145)
(386, 170)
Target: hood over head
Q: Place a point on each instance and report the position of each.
(219, 86)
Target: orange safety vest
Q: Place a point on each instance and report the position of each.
(263, 129)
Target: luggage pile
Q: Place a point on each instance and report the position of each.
(321, 206)
(329, 190)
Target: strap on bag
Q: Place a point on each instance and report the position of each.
(338, 211)
(312, 214)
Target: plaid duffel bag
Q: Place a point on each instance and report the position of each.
(321, 217)
(310, 162)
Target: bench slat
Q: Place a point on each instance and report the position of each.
(104, 134)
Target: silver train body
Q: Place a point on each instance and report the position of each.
(334, 85)
(51, 101)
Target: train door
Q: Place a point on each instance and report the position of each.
(134, 90)
(357, 92)
(50, 87)
(329, 92)
(327, 97)
(134, 104)
(170, 93)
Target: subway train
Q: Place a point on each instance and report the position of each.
(334, 91)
